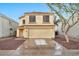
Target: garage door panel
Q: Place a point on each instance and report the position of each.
(40, 33)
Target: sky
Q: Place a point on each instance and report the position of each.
(15, 10)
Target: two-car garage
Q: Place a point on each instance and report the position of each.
(41, 33)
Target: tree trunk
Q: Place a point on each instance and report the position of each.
(66, 37)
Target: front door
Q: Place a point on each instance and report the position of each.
(21, 33)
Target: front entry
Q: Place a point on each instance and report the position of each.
(21, 33)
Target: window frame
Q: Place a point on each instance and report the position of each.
(31, 19)
(23, 21)
(46, 20)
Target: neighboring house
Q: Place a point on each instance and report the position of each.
(36, 25)
(74, 31)
(8, 26)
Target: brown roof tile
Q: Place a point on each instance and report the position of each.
(35, 13)
(39, 13)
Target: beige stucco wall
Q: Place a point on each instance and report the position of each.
(39, 20)
(25, 33)
(17, 33)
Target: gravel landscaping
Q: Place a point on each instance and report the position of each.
(10, 44)
(69, 45)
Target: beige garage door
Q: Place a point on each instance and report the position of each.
(40, 33)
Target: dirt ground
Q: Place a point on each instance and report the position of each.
(10, 44)
(72, 44)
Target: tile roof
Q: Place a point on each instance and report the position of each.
(35, 13)
(38, 13)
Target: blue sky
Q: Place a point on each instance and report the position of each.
(15, 10)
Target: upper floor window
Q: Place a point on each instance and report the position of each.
(23, 21)
(46, 18)
(32, 19)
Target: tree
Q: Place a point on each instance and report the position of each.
(65, 13)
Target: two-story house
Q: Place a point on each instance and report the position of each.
(36, 25)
